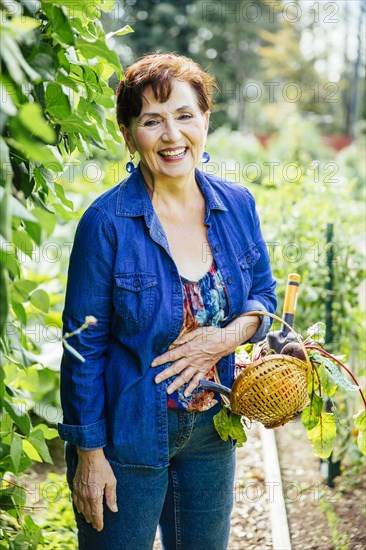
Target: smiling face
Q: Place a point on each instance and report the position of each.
(169, 137)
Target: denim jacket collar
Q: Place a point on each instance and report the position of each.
(133, 198)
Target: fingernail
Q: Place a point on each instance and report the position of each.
(153, 364)
(157, 379)
(114, 508)
(169, 391)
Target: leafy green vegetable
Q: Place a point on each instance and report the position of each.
(228, 425)
(310, 415)
(360, 423)
(328, 385)
(322, 436)
(360, 420)
(334, 374)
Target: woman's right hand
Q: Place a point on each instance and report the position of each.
(94, 478)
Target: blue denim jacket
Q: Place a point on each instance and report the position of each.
(121, 271)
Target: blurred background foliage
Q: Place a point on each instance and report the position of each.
(256, 50)
(288, 122)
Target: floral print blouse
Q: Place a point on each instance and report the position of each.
(205, 303)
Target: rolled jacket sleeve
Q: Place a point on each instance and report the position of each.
(89, 292)
(262, 295)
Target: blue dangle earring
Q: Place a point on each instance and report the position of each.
(130, 167)
(205, 157)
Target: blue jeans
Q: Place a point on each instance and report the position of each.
(190, 500)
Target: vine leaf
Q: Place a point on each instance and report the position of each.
(310, 415)
(322, 436)
(37, 440)
(16, 451)
(360, 420)
(337, 377)
(360, 423)
(19, 415)
(361, 442)
(326, 380)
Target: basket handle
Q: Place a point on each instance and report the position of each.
(277, 318)
(273, 316)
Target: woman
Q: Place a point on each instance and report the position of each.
(167, 261)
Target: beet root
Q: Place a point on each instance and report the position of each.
(294, 349)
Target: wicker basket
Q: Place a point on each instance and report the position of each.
(272, 390)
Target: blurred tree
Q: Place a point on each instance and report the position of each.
(357, 70)
(270, 57)
(223, 37)
(284, 62)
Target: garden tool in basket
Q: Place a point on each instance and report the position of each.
(276, 340)
(271, 390)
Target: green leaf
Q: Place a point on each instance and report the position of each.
(336, 376)
(310, 415)
(98, 48)
(24, 464)
(93, 111)
(323, 435)
(46, 219)
(17, 496)
(31, 116)
(13, 58)
(22, 24)
(57, 102)
(16, 451)
(45, 178)
(361, 442)
(62, 31)
(60, 192)
(40, 300)
(222, 423)
(30, 451)
(237, 430)
(23, 241)
(326, 380)
(88, 129)
(32, 530)
(124, 30)
(35, 150)
(19, 416)
(19, 312)
(24, 288)
(229, 424)
(4, 451)
(34, 230)
(49, 433)
(37, 440)
(8, 258)
(20, 211)
(6, 175)
(360, 420)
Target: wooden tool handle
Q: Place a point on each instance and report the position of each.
(289, 307)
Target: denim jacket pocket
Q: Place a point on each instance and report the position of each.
(134, 295)
(247, 261)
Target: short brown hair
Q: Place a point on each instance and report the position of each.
(158, 71)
